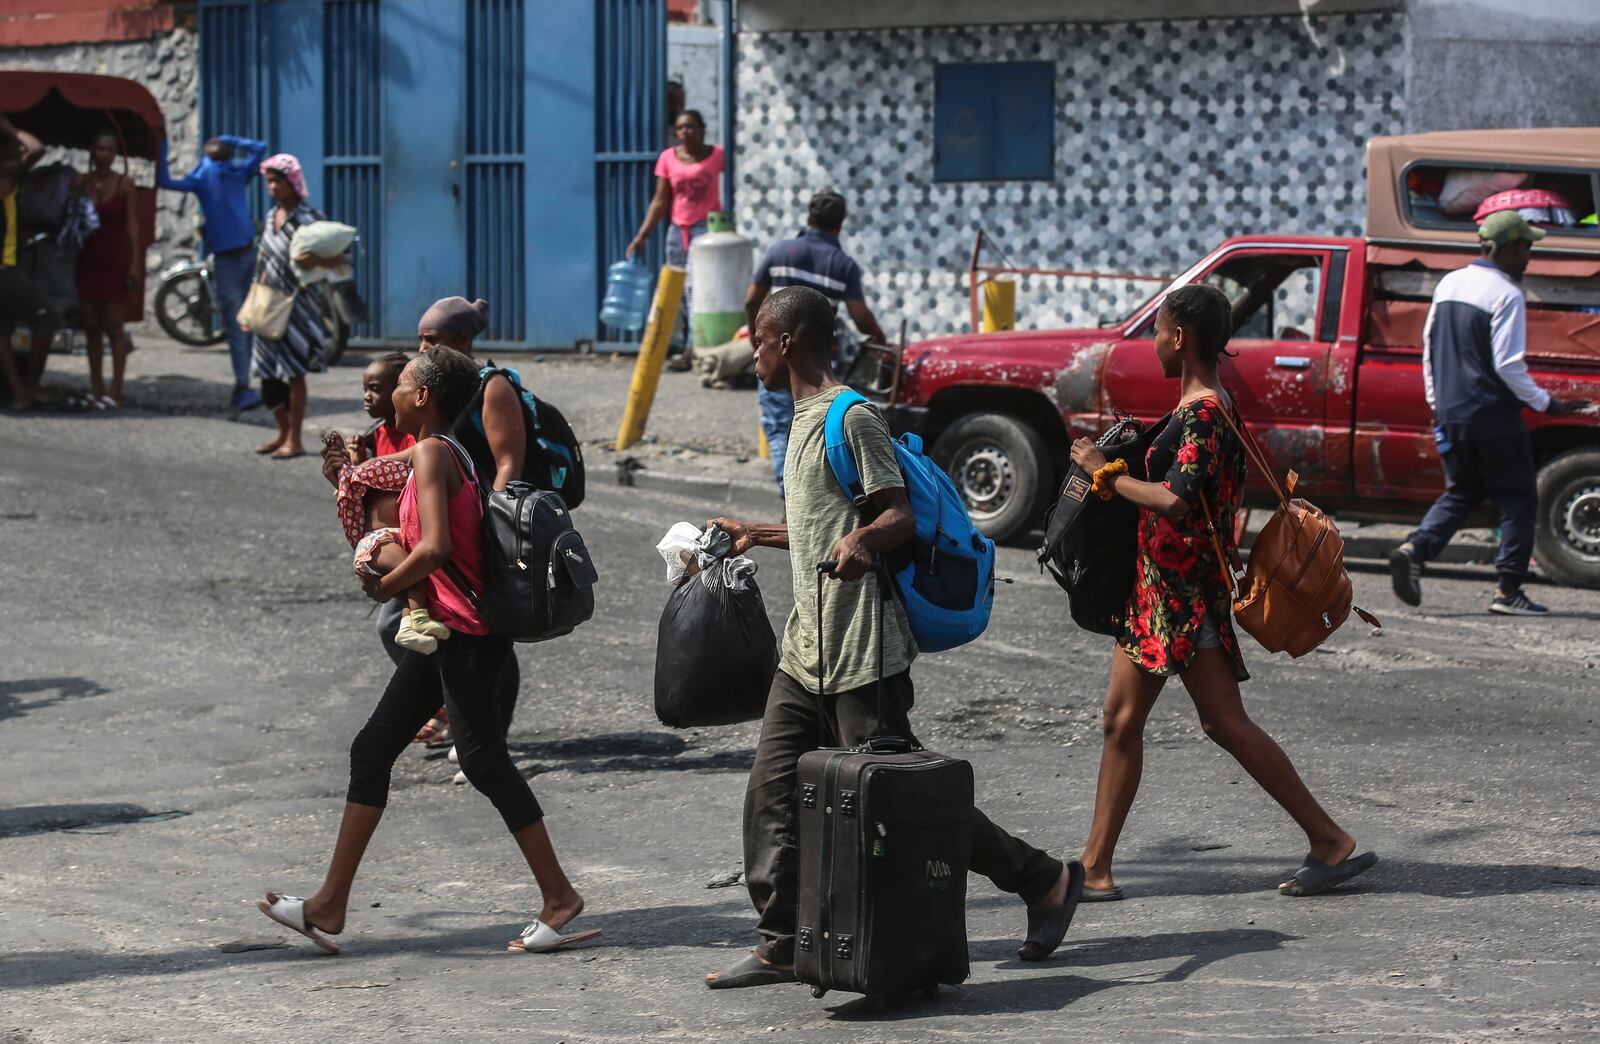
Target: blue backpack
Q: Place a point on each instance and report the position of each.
(945, 576)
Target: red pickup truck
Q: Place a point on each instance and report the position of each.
(1328, 332)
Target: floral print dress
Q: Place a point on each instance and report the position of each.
(1180, 585)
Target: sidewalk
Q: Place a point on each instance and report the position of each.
(700, 443)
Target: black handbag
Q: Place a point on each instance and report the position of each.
(1091, 545)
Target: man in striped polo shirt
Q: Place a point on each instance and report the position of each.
(814, 258)
(1475, 377)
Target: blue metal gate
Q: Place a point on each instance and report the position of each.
(232, 98)
(496, 164)
(630, 127)
(353, 139)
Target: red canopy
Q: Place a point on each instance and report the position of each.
(67, 109)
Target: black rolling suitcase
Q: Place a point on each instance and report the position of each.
(885, 836)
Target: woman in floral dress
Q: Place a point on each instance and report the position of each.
(1179, 619)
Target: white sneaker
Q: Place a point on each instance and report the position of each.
(451, 757)
(459, 778)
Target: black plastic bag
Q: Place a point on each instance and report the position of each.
(715, 650)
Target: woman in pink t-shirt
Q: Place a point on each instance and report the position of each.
(688, 186)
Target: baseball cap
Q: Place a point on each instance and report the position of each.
(1508, 226)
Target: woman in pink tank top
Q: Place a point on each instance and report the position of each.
(440, 513)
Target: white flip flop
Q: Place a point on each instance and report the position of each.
(539, 937)
(290, 911)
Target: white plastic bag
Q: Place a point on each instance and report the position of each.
(680, 549)
(322, 239)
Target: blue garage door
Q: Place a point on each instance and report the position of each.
(496, 165)
(630, 129)
(353, 140)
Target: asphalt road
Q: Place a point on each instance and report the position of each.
(182, 635)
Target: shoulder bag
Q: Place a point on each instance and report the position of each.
(1294, 592)
(266, 310)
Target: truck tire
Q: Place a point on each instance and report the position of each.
(1567, 539)
(999, 464)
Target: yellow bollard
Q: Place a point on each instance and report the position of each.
(999, 305)
(652, 356)
(761, 441)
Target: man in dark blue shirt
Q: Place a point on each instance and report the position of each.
(220, 181)
(815, 259)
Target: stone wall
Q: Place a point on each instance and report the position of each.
(1169, 137)
(168, 66)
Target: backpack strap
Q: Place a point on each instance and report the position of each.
(528, 399)
(840, 459)
(470, 473)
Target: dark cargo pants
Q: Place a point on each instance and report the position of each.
(798, 720)
(1499, 470)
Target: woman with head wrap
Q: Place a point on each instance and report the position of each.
(283, 364)
(491, 427)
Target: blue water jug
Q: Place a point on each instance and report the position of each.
(627, 301)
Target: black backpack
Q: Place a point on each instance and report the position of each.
(1091, 545)
(553, 459)
(538, 578)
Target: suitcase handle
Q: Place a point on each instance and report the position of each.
(886, 745)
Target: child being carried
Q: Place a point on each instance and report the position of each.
(368, 499)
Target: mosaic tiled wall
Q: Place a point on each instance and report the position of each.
(1169, 137)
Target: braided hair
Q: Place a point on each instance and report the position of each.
(1205, 313)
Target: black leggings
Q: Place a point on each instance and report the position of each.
(463, 674)
(507, 688)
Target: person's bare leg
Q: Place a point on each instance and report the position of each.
(40, 338)
(292, 445)
(21, 398)
(94, 338)
(561, 901)
(326, 909)
(1129, 698)
(118, 334)
(281, 415)
(1215, 693)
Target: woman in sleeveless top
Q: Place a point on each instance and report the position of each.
(440, 514)
(107, 268)
(1179, 618)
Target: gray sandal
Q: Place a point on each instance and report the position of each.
(1316, 877)
(752, 971)
(1047, 929)
(1103, 895)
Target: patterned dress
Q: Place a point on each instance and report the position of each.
(1180, 585)
(300, 351)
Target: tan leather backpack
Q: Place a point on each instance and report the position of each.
(1295, 591)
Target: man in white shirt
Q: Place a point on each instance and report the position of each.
(1475, 376)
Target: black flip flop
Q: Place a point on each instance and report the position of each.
(752, 971)
(1103, 895)
(1316, 877)
(1047, 929)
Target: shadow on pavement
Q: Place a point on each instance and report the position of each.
(1154, 879)
(45, 819)
(627, 752)
(1034, 993)
(13, 705)
(666, 926)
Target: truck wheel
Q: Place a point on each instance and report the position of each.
(1567, 540)
(999, 464)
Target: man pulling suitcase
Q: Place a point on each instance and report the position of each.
(865, 645)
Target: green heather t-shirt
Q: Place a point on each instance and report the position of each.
(819, 514)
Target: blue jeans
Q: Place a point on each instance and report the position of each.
(232, 272)
(1499, 470)
(777, 415)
